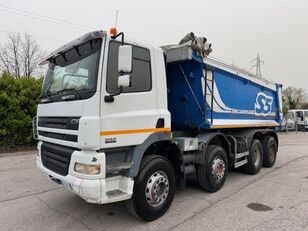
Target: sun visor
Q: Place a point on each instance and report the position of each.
(76, 42)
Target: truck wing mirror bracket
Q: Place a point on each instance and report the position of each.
(110, 98)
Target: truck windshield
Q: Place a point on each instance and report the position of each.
(73, 72)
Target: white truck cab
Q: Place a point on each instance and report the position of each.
(300, 116)
(104, 129)
(77, 121)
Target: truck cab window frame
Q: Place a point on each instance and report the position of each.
(141, 75)
(74, 71)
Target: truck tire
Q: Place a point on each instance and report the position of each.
(255, 158)
(154, 188)
(269, 145)
(212, 174)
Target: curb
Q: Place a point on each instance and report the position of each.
(21, 153)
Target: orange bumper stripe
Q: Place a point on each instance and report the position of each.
(134, 131)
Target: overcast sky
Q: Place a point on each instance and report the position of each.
(237, 29)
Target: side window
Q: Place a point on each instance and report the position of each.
(300, 115)
(141, 70)
(290, 115)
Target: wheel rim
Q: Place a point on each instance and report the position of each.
(218, 169)
(157, 189)
(256, 157)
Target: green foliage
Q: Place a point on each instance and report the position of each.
(294, 98)
(285, 109)
(18, 103)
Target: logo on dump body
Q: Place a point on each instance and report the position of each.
(263, 105)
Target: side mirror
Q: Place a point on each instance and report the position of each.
(124, 81)
(125, 59)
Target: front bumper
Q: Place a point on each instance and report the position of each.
(93, 189)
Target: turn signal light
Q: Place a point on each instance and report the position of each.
(113, 31)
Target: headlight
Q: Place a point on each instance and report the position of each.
(94, 169)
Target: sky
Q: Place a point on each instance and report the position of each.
(237, 29)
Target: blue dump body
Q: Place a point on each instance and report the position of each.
(203, 94)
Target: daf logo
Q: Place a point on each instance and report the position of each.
(74, 121)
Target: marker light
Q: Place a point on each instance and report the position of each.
(94, 169)
(113, 31)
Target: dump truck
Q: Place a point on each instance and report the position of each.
(121, 120)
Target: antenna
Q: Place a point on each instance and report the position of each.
(116, 20)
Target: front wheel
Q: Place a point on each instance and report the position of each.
(154, 188)
(212, 174)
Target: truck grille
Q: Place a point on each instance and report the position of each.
(67, 123)
(56, 157)
(59, 136)
(70, 123)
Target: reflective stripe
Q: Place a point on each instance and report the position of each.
(244, 125)
(133, 131)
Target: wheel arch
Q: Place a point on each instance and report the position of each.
(211, 139)
(251, 134)
(158, 143)
(260, 134)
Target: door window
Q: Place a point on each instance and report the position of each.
(141, 70)
(306, 115)
(299, 115)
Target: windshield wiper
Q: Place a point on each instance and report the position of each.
(66, 90)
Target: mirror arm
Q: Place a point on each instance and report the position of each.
(110, 98)
(115, 36)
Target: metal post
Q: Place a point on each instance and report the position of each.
(212, 96)
(296, 126)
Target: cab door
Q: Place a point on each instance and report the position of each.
(133, 115)
(306, 119)
(300, 117)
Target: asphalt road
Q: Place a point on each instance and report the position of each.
(275, 199)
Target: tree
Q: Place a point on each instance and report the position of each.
(18, 103)
(293, 97)
(304, 105)
(32, 55)
(10, 55)
(20, 55)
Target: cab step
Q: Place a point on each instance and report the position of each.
(240, 163)
(240, 155)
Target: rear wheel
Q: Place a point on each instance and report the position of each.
(212, 174)
(269, 145)
(255, 158)
(153, 189)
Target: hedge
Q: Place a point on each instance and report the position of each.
(18, 103)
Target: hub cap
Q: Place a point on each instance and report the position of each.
(157, 189)
(218, 169)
